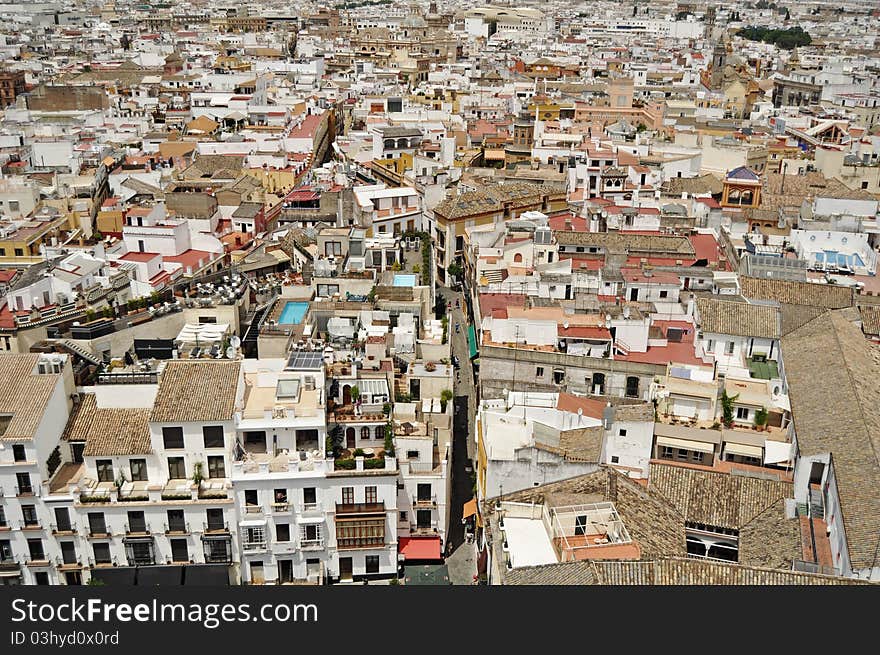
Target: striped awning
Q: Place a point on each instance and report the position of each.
(686, 444)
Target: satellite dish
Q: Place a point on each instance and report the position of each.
(235, 341)
(230, 353)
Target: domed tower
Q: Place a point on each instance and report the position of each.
(523, 138)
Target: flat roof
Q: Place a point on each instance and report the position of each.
(529, 542)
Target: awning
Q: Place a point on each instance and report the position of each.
(469, 509)
(686, 444)
(419, 548)
(472, 341)
(310, 519)
(252, 523)
(744, 450)
(776, 452)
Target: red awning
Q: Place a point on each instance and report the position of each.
(419, 548)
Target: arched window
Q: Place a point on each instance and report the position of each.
(379, 432)
(365, 433)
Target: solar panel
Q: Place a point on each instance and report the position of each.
(306, 359)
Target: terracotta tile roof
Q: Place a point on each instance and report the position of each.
(618, 242)
(870, 319)
(738, 318)
(770, 540)
(196, 391)
(23, 394)
(108, 431)
(832, 373)
(716, 499)
(791, 292)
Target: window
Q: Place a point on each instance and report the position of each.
(251, 498)
(615, 459)
(24, 483)
(558, 376)
(5, 550)
(371, 563)
(35, 548)
(138, 469)
(621, 433)
(215, 519)
(365, 433)
(137, 522)
(412, 454)
(664, 294)
(632, 387)
(176, 468)
(379, 432)
(29, 514)
(216, 466)
(310, 497)
(404, 517)
(19, 252)
(310, 534)
(864, 185)
(2, 518)
(172, 437)
(710, 345)
(666, 452)
(213, 435)
(176, 521)
(347, 495)
(102, 553)
(681, 454)
(179, 550)
(105, 470)
(730, 347)
(18, 453)
(370, 495)
(742, 413)
(539, 371)
(62, 519)
(696, 456)
(282, 532)
(580, 525)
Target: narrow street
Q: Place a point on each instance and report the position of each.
(461, 561)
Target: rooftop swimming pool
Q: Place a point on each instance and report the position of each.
(404, 280)
(293, 313)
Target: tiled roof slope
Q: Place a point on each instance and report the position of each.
(770, 540)
(667, 571)
(714, 498)
(106, 431)
(738, 318)
(23, 394)
(792, 292)
(196, 391)
(832, 373)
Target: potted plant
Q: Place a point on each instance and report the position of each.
(445, 397)
(355, 394)
(761, 417)
(430, 367)
(197, 474)
(727, 408)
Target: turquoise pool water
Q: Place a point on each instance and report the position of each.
(404, 280)
(293, 313)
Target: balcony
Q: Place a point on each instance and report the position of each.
(312, 544)
(254, 546)
(137, 530)
(103, 563)
(310, 510)
(9, 564)
(99, 532)
(38, 559)
(68, 564)
(217, 548)
(218, 528)
(64, 530)
(253, 510)
(177, 527)
(24, 490)
(425, 502)
(281, 508)
(133, 491)
(344, 509)
(30, 525)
